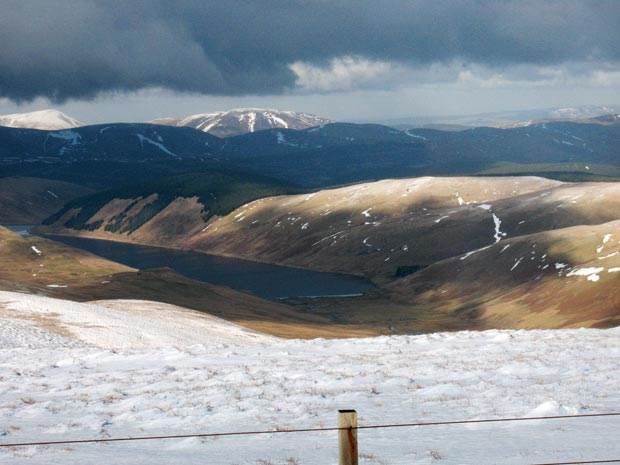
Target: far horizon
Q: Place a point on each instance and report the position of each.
(411, 118)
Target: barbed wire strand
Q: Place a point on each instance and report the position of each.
(579, 463)
(310, 430)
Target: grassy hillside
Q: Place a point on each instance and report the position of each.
(393, 228)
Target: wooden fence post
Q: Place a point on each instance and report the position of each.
(347, 438)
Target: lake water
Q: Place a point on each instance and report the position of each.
(268, 281)
(21, 229)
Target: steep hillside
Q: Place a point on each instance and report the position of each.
(44, 119)
(166, 209)
(381, 230)
(31, 200)
(245, 120)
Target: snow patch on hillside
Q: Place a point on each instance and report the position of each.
(159, 145)
(71, 136)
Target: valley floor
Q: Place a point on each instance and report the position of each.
(56, 386)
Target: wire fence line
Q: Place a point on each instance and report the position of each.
(579, 463)
(313, 430)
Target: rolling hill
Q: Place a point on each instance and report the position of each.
(105, 156)
(342, 153)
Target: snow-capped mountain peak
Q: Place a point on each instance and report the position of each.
(44, 119)
(245, 120)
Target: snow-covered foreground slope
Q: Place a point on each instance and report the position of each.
(61, 389)
(112, 324)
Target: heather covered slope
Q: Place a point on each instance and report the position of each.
(378, 229)
(391, 228)
(381, 230)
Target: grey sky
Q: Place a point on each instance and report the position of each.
(116, 60)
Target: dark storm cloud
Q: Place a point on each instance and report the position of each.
(78, 49)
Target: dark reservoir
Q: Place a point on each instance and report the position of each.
(268, 281)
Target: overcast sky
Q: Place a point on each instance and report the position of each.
(106, 60)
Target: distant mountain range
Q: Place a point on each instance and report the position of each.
(505, 118)
(245, 120)
(248, 120)
(219, 123)
(326, 155)
(44, 119)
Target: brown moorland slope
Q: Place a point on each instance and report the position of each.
(399, 229)
(565, 278)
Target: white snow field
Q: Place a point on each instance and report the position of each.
(64, 383)
(116, 324)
